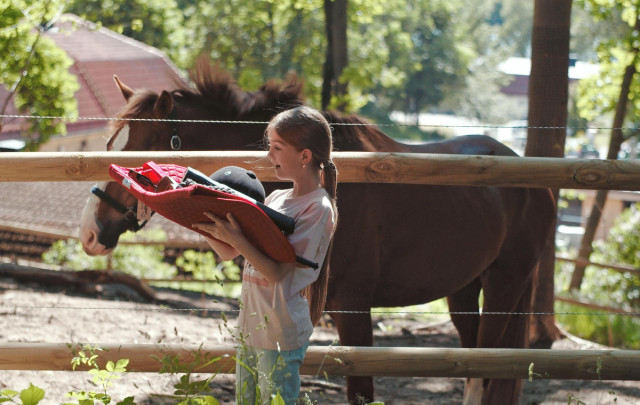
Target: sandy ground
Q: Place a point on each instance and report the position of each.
(32, 313)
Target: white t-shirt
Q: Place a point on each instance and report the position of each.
(276, 315)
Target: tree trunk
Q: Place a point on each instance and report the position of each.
(614, 148)
(327, 67)
(548, 99)
(336, 59)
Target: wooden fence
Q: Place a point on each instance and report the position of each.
(359, 361)
(620, 268)
(365, 167)
(359, 167)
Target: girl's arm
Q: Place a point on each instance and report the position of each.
(224, 251)
(229, 231)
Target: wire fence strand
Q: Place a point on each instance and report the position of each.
(395, 124)
(377, 312)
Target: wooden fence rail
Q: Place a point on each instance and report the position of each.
(360, 361)
(620, 268)
(370, 167)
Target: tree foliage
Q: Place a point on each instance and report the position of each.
(436, 58)
(598, 95)
(33, 69)
(258, 41)
(621, 246)
(403, 55)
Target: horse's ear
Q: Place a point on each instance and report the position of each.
(124, 89)
(163, 105)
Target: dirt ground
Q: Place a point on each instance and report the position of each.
(32, 313)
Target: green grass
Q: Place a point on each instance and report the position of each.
(435, 311)
(620, 331)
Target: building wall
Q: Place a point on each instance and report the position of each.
(82, 142)
(571, 221)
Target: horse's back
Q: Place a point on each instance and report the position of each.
(464, 145)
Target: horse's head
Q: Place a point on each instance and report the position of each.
(156, 122)
(111, 210)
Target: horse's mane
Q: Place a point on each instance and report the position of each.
(216, 92)
(216, 89)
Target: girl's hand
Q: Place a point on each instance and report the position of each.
(228, 231)
(225, 230)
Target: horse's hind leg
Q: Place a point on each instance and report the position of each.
(354, 329)
(502, 391)
(461, 304)
(466, 300)
(508, 291)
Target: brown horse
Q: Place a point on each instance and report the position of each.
(396, 244)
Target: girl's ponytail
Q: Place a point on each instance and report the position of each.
(316, 293)
(330, 178)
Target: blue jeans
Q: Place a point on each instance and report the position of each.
(261, 374)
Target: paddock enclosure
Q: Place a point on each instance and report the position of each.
(359, 167)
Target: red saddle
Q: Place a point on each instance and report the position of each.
(186, 205)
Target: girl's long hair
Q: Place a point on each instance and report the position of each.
(305, 128)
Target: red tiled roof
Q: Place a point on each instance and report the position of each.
(84, 41)
(98, 55)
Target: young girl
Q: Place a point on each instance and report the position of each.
(281, 302)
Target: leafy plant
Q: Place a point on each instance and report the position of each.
(202, 265)
(621, 246)
(137, 260)
(607, 287)
(102, 377)
(28, 396)
(225, 276)
(189, 390)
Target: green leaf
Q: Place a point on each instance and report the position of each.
(9, 393)
(203, 400)
(127, 401)
(278, 400)
(121, 365)
(31, 395)
(209, 400)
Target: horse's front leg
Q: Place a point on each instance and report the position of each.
(355, 330)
